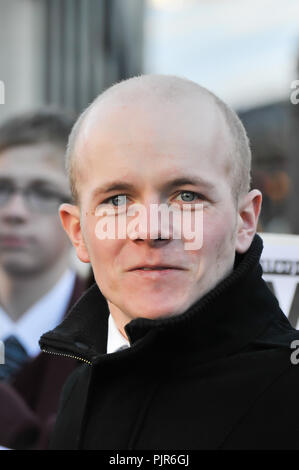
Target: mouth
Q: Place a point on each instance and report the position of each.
(156, 273)
(155, 268)
(11, 241)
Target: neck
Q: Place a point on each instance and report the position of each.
(19, 293)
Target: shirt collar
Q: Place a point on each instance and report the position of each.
(44, 314)
(115, 339)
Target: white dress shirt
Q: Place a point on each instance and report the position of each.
(115, 339)
(43, 316)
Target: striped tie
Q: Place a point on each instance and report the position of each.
(15, 356)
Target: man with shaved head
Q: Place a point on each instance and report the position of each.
(183, 346)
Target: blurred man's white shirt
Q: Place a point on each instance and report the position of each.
(44, 315)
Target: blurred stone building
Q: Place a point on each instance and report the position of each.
(65, 52)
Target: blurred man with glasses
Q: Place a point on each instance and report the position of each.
(37, 285)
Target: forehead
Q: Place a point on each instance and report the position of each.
(152, 140)
(37, 161)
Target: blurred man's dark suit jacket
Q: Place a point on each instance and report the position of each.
(29, 403)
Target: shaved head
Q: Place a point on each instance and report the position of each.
(183, 97)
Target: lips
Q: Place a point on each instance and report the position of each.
(155, 273)
(154, 267)
(13, 241)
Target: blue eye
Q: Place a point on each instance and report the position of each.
(118, 200)
(189, 196)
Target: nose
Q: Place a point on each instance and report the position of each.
(152, 224)
(15, 210)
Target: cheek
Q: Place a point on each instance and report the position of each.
(104, 255)
(208, 227)
(218, 242)
(219, 227)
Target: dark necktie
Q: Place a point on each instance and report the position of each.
(15, 356)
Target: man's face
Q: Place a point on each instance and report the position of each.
(147, 148)
(32, 180)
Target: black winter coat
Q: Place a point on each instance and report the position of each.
(219, 376)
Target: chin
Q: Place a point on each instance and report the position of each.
(20, 269)
(150, 311)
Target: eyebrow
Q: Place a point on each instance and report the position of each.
(120, 185)
(113, 186)
(191, 180)
(32, 183)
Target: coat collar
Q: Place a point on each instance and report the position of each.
(222, 322)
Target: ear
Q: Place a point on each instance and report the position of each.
(70, 219)
(248, 214)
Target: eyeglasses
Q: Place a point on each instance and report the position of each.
(38, 198)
